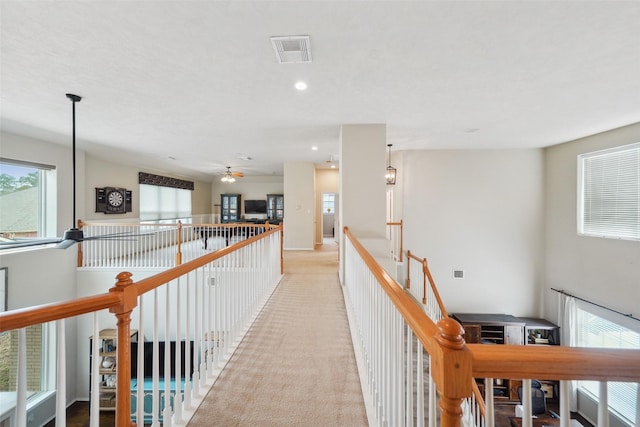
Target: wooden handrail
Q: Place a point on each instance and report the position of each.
(24, 317)
(159, 279)
(555, 362)
(426, 276)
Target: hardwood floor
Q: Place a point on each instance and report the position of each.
(78, 416)
(504, 411)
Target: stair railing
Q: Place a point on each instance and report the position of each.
(224, 291)
(156, 245)
(380, 311)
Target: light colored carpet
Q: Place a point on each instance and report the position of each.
(296, 366)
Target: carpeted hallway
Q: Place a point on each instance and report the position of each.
(296, 364)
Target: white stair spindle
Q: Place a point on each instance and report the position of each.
(94, 405)
(61, 380)
(21, 392)
(603, 404)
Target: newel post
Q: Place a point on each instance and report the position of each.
(179, 243)
(80, 259)
(281, 248)
(128, 301)
(451, 363)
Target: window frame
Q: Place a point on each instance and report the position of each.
(590, 388)
(613, 228)
(47, 195)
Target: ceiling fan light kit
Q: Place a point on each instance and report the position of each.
(229, 176)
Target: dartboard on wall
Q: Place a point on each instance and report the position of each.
(113, 200)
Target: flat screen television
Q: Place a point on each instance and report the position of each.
(255, 206)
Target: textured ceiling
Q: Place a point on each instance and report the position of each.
(198, 81)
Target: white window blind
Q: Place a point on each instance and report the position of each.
(158, 202)
(595, 329)
(609, 193)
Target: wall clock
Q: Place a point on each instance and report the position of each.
(113, 200)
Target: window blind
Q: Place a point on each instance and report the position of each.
(610, 193)
(158, 203)
(595, 330)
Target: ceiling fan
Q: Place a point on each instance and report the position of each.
(230, 177)
(72, 235)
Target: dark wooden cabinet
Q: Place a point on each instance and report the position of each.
(275, 207)
(491, 328)
(506, 329)
(230, 207)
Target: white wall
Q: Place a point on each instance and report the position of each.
(299, 205)
(606, 271)
(481, 212)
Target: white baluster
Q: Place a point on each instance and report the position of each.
(94, 404)
(603, 404)
(140, 365)
(61, 380)
(489, 402)
(21, 386)
(526, 403)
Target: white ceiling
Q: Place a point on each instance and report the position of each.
(198, 81)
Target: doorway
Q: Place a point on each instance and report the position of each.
(330, 225)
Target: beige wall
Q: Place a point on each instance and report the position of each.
(606, 271)
(100, 173)
(482, 212)
(299, 205)
(362, 184)
(327, 181)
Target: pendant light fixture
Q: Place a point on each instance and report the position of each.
(391, 171)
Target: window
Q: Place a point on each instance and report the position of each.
(609, 193)
(27, 199)
(159, 202)
(598, 328)
(328, 202)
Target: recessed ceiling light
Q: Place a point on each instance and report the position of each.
(301, 86)
(314, 148)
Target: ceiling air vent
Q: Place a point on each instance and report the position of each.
(292, 49)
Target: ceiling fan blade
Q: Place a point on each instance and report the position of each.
(238, 174)
(64, 244)
(13, 244)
